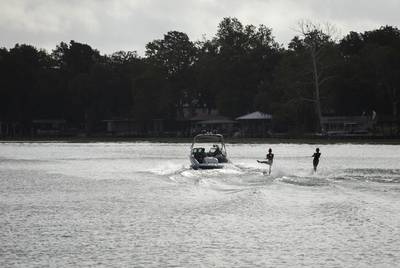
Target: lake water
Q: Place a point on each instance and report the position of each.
(140, 205)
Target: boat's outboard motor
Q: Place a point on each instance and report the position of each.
(210, 160)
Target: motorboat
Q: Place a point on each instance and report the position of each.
(208, 151)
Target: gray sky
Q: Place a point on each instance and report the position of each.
(112, 25)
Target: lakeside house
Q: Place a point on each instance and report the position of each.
(12, 129)
(197, 117)
(131, 127)
(190, 123)
(348, 125)
(388, 126)
(213, 123)
(48, 127)
(255, 124)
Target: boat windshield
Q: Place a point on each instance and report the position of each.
(215, 143)
(208, 138)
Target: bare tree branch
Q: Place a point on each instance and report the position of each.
(325, 79)
(316, 37)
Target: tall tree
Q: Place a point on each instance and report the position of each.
(384, 56)
(317, 46)
(75, 58)
(25, 68)
(372, 60)
(75, 63)
(243, 63)
(174, 55)
(125, 68)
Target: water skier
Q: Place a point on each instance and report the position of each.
(270, 159)
(316, 156)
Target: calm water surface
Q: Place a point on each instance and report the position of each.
(140, 205)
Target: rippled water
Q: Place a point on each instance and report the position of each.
(139, 205)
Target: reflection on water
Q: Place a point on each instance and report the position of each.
(139, 204)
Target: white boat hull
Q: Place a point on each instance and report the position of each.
(209, 165)
(212, 159)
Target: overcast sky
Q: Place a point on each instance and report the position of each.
(112, 25)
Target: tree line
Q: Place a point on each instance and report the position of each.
(241, 69)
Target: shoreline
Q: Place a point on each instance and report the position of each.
(377, 141)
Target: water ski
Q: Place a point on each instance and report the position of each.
(268, 162)
(264, 162)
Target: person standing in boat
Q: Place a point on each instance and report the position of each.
(316, 157)
(217, 150)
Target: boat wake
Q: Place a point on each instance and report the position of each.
(244, 176)
(233, 177)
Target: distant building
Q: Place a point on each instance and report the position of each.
(131, 127)
(48, 127)
(213, 123)
(189, 111)
(122, 127)
(347, 125)
(256, 124)
(196, 117)
(388, 126)
(11, 129)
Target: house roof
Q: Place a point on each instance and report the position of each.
(215, 122)
(344, 119)
(255, 116)
(209, 117)
(49, 121)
